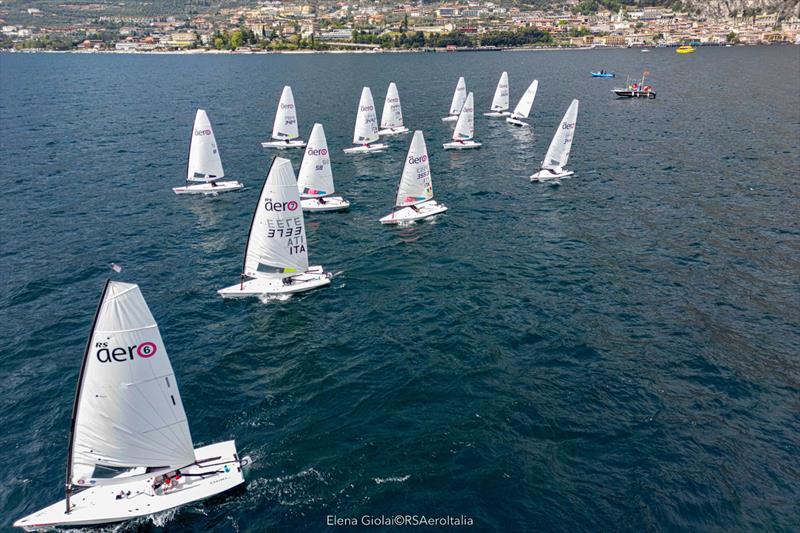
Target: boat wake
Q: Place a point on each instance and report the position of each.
(267, 298)
(145, 522)
(396, 479)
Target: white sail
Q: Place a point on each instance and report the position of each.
(128, 409)
(459, 96)
(204, 161)
(277, 242)
(465, 127)
(558, 153)
(285, 126)
(500, 100)
(526, 102)
(415, 184)
(315, 178)
(392, 116)
(366, 130)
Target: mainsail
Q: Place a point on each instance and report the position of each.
(526, 102)
(315, 178)
(415, 184)
(500, 100)
(465, 127)
(458, 97)
(392, 116)
(558, 153)
(285, 126)
(366, 130)
(204, 161)
(128, 411)
(276, 245)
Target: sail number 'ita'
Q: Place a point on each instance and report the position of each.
(286, 227)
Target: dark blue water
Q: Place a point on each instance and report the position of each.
(619, 353)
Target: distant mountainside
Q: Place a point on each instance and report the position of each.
(709, 8)
(739, 7)
(59, 11)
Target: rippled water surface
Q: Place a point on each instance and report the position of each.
(617, 353)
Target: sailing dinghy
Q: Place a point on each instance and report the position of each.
(284, 130)
(500, 101)
(523, 108)
(315, 179)
(130, 450)
(276, 255)
(415, 193)
(204, 169)
(558, 153)
(392, 116)
(459, 96)
(366, 130)
(465, 128)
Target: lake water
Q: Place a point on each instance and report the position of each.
(618, 353)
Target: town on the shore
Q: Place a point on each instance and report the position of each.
(372, 26)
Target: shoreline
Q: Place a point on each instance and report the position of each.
(363, 51)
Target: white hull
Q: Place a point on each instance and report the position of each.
(498, 114)
(450, 118)
(517, 122)
(408, 214)
(366, 149)
(208, 188)
(312, 279)
(461, 145)
(99, 505)
(547, 175)
(332, 203)
(393, 131)
(284, 145)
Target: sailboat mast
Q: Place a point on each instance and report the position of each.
(189, 154)
(253, 219)
(78, 391)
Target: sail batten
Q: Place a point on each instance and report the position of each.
(128, 410)
(415, 183)
(459, 96)
(315, 178)
(500, 101)
(465, 127)
(558, 152)
(285, 125)
(276, 244)
(204, 163)
(392, 116)
(525, 103)
(366, 129)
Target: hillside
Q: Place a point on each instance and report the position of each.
(70, 11)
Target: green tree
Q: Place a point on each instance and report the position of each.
(235, 40)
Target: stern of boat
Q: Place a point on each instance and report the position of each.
(315, 277)
(218, 469)
(332, 203)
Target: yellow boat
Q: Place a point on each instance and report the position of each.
(685, 49)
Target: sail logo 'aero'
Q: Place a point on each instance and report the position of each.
(269, 205)
(144, 350)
